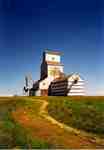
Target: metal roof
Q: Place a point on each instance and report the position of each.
(54, 52)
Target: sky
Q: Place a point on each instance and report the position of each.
(75, 27)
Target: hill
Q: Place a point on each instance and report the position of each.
(52, 122)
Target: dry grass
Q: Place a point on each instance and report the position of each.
(24, 118)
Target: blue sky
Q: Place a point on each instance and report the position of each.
(27, 27)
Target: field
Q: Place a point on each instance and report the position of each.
(51, 122)
(86, 113)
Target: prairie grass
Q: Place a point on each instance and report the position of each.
(86, 113)
(12, 134)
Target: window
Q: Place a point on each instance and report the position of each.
(53, 58)
(75, 81)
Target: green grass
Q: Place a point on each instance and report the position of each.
(86, 113)
(13, 134)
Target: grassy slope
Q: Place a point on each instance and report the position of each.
(23, 126)
(12, 133)
(85, 113)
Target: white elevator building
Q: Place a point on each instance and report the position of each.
(53, 81)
